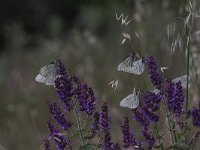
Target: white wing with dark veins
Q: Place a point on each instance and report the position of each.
(47, 74)
(131, 66)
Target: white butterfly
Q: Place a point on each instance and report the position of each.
(132, 65)
(131, 101)
(47, 74)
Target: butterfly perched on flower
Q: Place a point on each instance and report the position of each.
(183, 80)
(47, 74)
(131, 101)
(132, 64)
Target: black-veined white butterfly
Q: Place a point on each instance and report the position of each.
(131, 101)
(47, 74)
(132, 64)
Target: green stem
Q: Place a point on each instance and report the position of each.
(78, 120)
(170, 128)
(156, 127)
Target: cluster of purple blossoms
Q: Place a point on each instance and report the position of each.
(150, 115)
(86, 98)
(128, 137)
(139, 117)
(59, 139)
(151, 100)
(149, 139)
(126, 133)
(196, 116)
(105, 123)
(174, 97)
(63, 85)
(154, 71)
(58, 116)
(96, 122)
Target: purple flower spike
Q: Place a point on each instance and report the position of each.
(174, 96)
(149, 139)
(149, 115)
(63, 85)
(86, 98)
(46, 144)
(139, 117)
(151, 100)
(96, 123)
(126, 133)
(154, 71)
(60, 141)
(60, 68)
(105, 123)
(196, 116)
(58, 115)
(52, 129)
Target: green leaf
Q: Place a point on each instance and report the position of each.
(89, 146)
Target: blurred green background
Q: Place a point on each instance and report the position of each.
(87, 37)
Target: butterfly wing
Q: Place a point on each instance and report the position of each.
(183, 80)
(138, 67)
(131, 101)
(40, 78)
(47, 74)
(124, 64)
(131, 66)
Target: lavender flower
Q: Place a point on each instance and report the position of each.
(58, 115)
(154, 71)
(96, 123)
(126, 133)
(86, 98)
(63, 85)
(149, 139)
(143, 120)
(46, 144)
(196, 116)
(52, 129)
(59, 139)
(105, 123)
(60, 68)
(149, 115)
(151, 100)
(174, 96)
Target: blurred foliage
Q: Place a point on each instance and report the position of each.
(87, 37)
